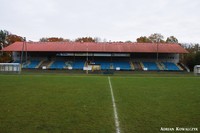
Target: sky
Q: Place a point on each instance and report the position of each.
(115, 20)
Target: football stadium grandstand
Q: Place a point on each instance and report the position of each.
(98, 56)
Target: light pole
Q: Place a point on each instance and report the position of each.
(157, 42)
(87, 61)
(24, 46)
(157, 52)
(25, 49)
(22, 54)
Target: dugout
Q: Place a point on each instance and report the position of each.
(10, 67)
(197, 69)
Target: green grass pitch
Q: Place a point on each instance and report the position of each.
(58, 103)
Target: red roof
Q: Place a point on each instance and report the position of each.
(96, 47)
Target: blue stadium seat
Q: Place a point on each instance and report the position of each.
(124, 65)
(32, 64)
(58, 65)
(78, 64)
(170, 66)
(104, 64)
(150, 66)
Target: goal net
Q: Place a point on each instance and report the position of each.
(10, 67)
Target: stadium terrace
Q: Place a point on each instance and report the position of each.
(98, 56)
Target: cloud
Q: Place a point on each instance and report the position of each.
(111, 19)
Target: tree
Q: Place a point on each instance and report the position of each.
(172, 39)
(4, 56)
(156, 38)
(85, 39)
(3, 36)
(43, 39)
(128, 41)
(143, 39)
(6, 38)
(197, 58)
(193, 57)
(14, 38)
(54, 39)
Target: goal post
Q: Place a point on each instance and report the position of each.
(197, 70)
(10, 67)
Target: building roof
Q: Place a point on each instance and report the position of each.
(96, 47)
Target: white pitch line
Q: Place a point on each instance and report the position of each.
(114, 108)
